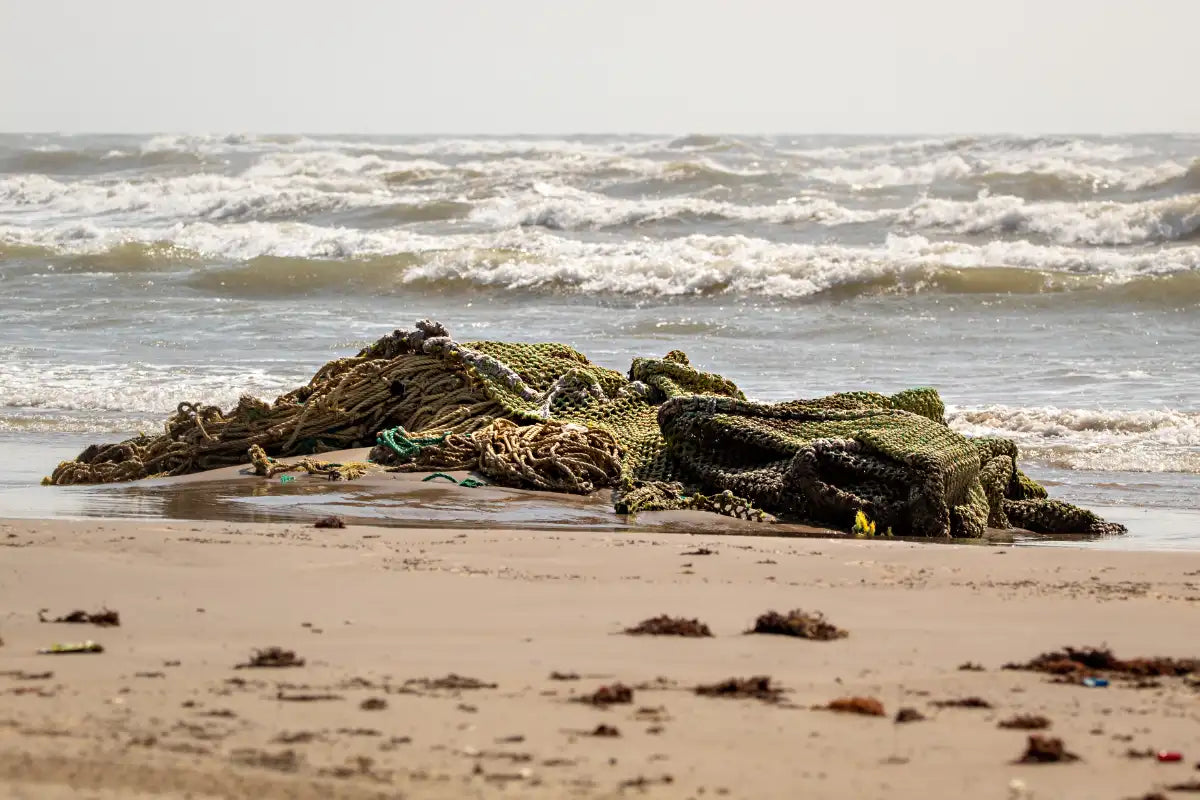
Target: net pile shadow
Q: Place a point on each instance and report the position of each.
(665, 436)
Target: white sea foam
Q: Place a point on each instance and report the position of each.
(40, 199)
(912, 150)
(103, 393)
(459, 147)
(1162, 440)
(956, 167)
(1092, 223)
(564, 208)
(525, 258)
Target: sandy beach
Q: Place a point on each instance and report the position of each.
(383, 616)
(583, 401)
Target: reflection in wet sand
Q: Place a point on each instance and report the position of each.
(235, 494)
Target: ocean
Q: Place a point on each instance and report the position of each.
(1048, 286)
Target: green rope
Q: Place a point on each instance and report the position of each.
(398, 441)
(469, 483)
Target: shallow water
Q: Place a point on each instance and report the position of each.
(405, 501)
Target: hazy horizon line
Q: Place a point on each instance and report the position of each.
(569, 133)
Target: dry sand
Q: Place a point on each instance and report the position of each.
(163, 712)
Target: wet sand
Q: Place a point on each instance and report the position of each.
(374, 611)
(235, 494)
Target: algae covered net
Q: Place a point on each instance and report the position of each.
(665, 436)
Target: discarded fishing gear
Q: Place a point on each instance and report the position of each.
(667, 436)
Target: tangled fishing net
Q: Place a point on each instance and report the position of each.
(667, 436)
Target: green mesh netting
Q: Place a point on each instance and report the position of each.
(685, 438)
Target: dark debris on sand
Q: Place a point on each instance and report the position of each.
(1025, 722)
(1186, 786)
(305, 697)
(104, 618)
(905, 715)
(1046, 750)
(798, 623)
(962, 702)
(451, 682)
(642, 782)
(669, 626)
(758, 688)
(271, 657)
(867, 706)
(1074, 663)
(699, 551)
(615, 694)
(970, 666)
(605, 731)
(330, 522)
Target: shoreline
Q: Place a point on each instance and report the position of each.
(404, 500)
(372, 609)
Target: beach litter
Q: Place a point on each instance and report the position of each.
(467, 483)
(71, 648)
(1095, 683)
(667, 436)
(863, 528)
(1168, 756)
(104, 618)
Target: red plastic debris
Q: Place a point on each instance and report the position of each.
(1169, 755)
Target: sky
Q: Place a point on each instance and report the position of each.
(617, 66)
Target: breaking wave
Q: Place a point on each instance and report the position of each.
(562, 208)
(109, 397)
(201, 196)
(1091, 223)
(256, 258)
(1021, 175)
(1163, 440)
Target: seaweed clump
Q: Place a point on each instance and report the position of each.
(1074, 663)
(616, 694)
(867, 706)
(1025, 722)
(1045, 750)
(798, 623)
(272, 657)
(758, 688)
(670, 626)
(104, 618)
